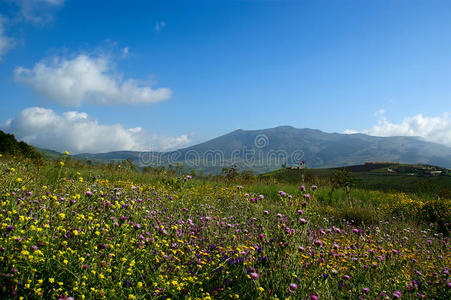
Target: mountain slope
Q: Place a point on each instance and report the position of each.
(319, 149)
(267, 149)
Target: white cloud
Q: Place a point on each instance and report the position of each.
(380, 112)
(86, 79)
(37, 11)
(6, 43)
(351, 131)
(53, 2)
(79, 133)
(168, 143)
(432, 129)
(160, 25)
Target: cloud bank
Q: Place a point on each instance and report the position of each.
(431, 129)
(86, 79)
(79, 133)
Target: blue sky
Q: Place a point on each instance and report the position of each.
(174, 73)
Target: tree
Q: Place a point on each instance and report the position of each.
(230, 174)
(9, 144)
(179, 168)
(342, 178)
(247, 175)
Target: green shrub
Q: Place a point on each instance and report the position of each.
(352, 214)
(437, 211)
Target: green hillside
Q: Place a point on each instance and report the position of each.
(398, 177)
(9, 145)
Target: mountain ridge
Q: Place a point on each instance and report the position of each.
(267, 149)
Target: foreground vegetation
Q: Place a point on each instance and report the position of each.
(74, 231)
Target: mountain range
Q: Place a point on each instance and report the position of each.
(270, 149)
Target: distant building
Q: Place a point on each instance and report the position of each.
(436, 173)
(295, 167)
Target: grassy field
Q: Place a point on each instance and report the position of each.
(73, 231)
(376, 177)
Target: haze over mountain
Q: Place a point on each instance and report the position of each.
(268, 149)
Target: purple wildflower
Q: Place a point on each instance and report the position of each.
(397, 294)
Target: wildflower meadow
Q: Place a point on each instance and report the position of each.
(86, 232)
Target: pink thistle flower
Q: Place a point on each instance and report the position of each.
(397, 294)
(318, 243)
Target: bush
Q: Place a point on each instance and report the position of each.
(401, 204)
(437, 211)
(354, 215)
